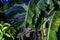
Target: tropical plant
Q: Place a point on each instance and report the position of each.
(6, 30)
(41, 16)
(37, 15)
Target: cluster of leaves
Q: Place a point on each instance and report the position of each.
(38, 12)
(6, 30)
(37, 18)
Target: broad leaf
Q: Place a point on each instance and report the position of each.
(56, 21)
(52, 35)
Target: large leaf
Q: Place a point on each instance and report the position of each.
(52, 35)
(56, 21)
(42, 4)
(30, 12)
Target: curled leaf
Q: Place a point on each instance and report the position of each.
(4, 28)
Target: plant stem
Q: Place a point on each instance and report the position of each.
(49, 28)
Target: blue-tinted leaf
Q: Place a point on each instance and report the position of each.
(6, 1)
(13, 9)
(17, 18)
(26, 1)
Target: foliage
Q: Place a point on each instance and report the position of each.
(7, 30)
(38, 13)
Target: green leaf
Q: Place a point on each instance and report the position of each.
(49, 29)
(30, 12)
(51, 4)
(1, 26)
(7, 35)
(1, 35)
(29, 17)
(56, 21)
(42, 5)
(52, 35)
(4, 28)
(6, 24)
